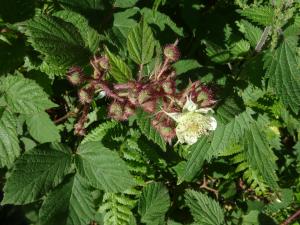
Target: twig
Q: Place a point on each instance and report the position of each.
(204, 186)
(69, 114)
(291, 218)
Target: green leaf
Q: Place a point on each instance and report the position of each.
(99, 132)
(252, 33)
(41, 128)
(262, 15)
(239, 48)
(185, 65)
(140, 43)
(71, 203)
(216, 53)
(118, 68)
(283, 74)
(259, 154)
(205, 210)
(125, 3)
(161, 20)
(89, 35)
(49, 35)
(144, 122)
(36, 172)
(123, 22)
(9, 144)
(24, 95)
(103, 168)
(154, 203)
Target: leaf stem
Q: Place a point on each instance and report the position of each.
(291, 218)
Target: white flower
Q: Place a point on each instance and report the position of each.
(193, 122)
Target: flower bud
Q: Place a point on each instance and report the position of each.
(144, 96)
(149, 106)
(128, 110)
(168, 86)
(75, 75)
(171, 52)
(102, 63)
(79, 130)
(85, 96)
(116, 111)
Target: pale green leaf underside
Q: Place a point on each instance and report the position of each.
(284, 76)
(140, 43)
(205, 210)
(23, 95)
(154, 203)
(41, 128)
(103, 168)
(36, 172)
(9, 143)
(144, 122)
(69, 204)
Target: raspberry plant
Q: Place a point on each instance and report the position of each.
(124, 112)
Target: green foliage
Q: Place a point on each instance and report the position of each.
(94, 163)
(204, 209)
(144, 122)
(72, 198)
(23, 95)
(36, 172)
(105, 150)
(154, 203)
(140, 43)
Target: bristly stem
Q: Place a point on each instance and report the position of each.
(291, 218)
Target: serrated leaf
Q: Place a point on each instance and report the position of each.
(41, 128)
(89, 35)
(262, 15)
(36, 172)
(185, 65)
(9, 144)
(118, 68)
(239, 48)
(140, 43)
(24, 95)
(71, 203)
(49, 35)
(154, 203)
(216, 53)
(283, 74)
(125, 3)
(144, 123)
(103, 168)
(252, 33)
(259, 155)
(161, 20)
(205, 210)
(123, 22)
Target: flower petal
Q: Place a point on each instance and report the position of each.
(213, 124)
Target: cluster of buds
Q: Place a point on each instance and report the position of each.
(155, 94)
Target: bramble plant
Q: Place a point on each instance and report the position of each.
(124, 112)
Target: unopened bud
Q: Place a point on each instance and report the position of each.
(168, 86)
(171, 52)
(116, 111)
(85, 96)
(144, 96)
(75, 75)
(149, 106)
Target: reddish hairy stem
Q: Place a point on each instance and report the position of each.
(291, 218)
(109, 92)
